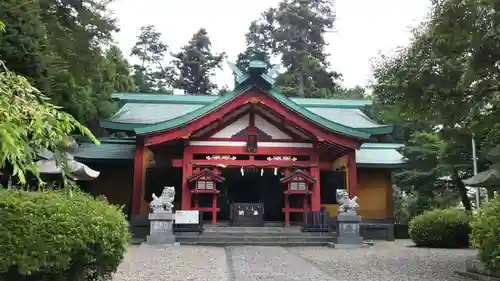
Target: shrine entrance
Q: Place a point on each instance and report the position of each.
(259, 189)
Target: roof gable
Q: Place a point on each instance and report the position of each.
(239, 128)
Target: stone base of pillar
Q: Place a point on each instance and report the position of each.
(348, 234)
(161, 230)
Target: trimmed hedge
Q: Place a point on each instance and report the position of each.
(485, 236)
(58, 236)
(446, 228)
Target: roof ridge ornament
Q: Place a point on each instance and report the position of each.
(256, 69)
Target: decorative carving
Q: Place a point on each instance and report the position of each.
(254, 100)
(163, 204)
(281, 158)
(349, 206)
(221, 157)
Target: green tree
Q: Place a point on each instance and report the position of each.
(295, 32)
(447, 80)
(56, 45)
(195, 64)
(151, 74)
(28, 123)
(259, 46)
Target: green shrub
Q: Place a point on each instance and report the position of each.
(485, 236)
(446, 228)
(58, 236)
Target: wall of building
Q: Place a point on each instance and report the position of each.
(114, 182)
(374, 191)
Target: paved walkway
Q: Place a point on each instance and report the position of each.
(385, 261)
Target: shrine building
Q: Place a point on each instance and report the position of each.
(251, 145)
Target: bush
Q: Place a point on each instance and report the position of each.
(485, 236)
(58, 236)
(446, 228)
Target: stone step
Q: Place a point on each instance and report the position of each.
(255, 238)
(255, 234)
(258, 243)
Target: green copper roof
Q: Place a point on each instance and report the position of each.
(199, 112)
(104, 151)
(150, 113)
(141, 110)
(380, 155)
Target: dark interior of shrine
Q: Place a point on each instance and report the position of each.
(253, 186)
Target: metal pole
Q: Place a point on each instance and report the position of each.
(474, 164)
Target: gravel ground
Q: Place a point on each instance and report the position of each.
(394, 261)
(397, 261)
(181, 263)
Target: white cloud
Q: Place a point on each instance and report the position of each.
(363, 28)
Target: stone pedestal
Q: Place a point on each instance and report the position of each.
(161, 231)
(348, 235)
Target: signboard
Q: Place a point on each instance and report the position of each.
(187, 217)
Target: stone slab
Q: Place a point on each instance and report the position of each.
(349, 240)
(346, 217)
(476, 266)
(348, 246)
(160, 239)
(167, 216)
(477, 276)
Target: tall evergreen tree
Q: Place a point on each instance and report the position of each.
(56, 44)
(295, 32)
(151, 74)
(196, 63)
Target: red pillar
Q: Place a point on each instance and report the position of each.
(315, 194)
(351, 173)
(137, 187)
(287, 212)
(187, 170)
(214, 208)
(314, 171)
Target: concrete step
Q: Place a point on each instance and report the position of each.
(257, 243)
(254, 238)
(255, 234)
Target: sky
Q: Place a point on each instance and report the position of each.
(363, 29)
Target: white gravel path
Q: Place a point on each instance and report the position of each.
(181, 263)
(393, 261)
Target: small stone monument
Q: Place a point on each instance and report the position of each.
(161, 218)
(348, 221)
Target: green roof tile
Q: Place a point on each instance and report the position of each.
(378, 155)
(104, 151)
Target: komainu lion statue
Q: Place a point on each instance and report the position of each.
(347, 206)
(163, 204)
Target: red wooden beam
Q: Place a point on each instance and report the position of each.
(256, 163)
(137, 187)
(352, 173)
(241, 150)
(253, 95)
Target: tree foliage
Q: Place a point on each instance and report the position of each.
(28, 124)
(58, 46)
(445, 85)
(195, 65)
(295, 32)
(151, 74)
